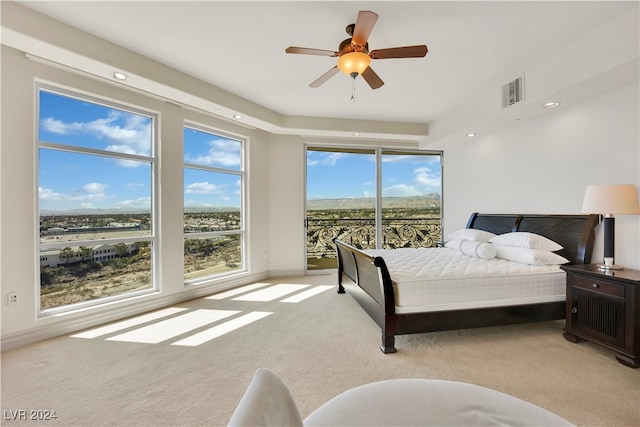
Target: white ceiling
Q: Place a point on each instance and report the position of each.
(240, 46)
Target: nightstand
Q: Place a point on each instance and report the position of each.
(604, 307)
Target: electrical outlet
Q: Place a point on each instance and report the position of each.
(13, 298)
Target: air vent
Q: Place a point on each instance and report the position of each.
(513, 92)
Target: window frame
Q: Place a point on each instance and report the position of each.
(242, 174)
(378, 151)
(152, 160)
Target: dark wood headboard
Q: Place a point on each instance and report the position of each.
(575, 233)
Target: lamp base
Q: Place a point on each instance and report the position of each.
(610, 267)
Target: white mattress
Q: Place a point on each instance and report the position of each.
(437, 279)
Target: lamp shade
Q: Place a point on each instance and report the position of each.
(353, 62)
(621, 199)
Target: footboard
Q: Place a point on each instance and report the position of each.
(370, 285)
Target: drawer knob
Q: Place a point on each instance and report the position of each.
(574, 310)
(595, 285)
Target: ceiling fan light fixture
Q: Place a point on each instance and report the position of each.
(353, 62)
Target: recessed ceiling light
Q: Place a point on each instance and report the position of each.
(237, 116)
(471, 134)
(552, 104)
(120, 76)
(356, 134)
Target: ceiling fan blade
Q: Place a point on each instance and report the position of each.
(364, 25)
(372, 78)
(400, 52)
(326, 76)
(310, 51)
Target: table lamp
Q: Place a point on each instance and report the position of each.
(620, 199)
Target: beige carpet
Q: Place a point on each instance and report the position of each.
(320, 346)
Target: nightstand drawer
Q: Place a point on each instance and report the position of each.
(598, 286)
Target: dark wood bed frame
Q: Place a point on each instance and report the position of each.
(370, 284)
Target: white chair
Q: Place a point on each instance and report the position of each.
(400, 402)
(267, 402)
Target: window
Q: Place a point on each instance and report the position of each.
(96, 198)
(371, 198)
(213, 205)
(411, 185)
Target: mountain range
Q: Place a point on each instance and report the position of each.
(412, 202)
(423, 201)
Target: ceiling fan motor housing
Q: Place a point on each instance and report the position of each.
(346, 46)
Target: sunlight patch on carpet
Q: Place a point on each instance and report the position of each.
(308, 293)
(171, 328)
(115, 327)
(191, 328)
(219, 330)
(236, 291)
(271, 293)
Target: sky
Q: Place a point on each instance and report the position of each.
(72, 181)
(114, 172)
(348, 175)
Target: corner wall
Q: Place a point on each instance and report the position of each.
(544, 165)
(286, 205)
(19, 270)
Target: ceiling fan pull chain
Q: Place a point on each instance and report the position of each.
(353, 89)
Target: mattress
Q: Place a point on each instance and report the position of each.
(439, 279)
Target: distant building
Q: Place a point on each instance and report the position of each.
(55, 230)
(99, 253)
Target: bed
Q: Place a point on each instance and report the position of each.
(368, 276)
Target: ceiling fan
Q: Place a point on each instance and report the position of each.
(353, 53)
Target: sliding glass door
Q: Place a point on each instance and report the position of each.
(411, 188)
(341, 188)
(370, 198)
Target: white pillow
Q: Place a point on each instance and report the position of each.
(523, 239)
(529, 256)
(453, 244)
(478, 249)
(470, 234)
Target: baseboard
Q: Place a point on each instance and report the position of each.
(286, 273)
(69, 323)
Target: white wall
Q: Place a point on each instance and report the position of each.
(19, 271)
(286, 205)
(544, 165)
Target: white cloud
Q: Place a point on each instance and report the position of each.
(58, 127)
(332, 159)
(327, 159)
(400, 190)
(124, 132)
(141, 202)
(94, 187)
(222, 152)
(426, 179)
(85, 195)
(204, 188)
(47, 194)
